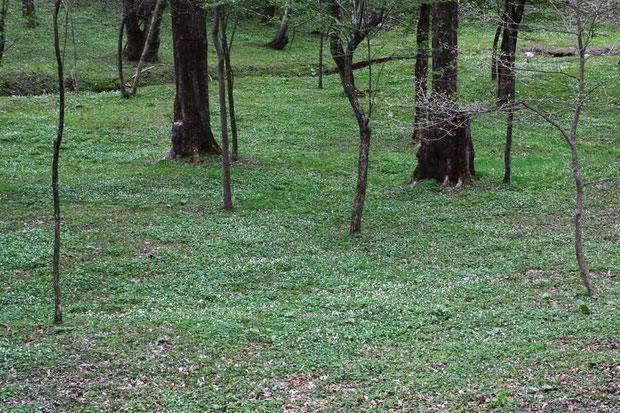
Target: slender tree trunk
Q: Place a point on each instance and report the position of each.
(230, 81)
(157, 12)
(3, 13)
(498, 31)
(29, 13)
(421, 67)
(217, 16)
(119, 58)
(507, 77)
(191, 130)
(446, 152)
(321, 46)
(508, 147)
(56, 158)
(280, 41)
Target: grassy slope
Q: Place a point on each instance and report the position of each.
(464, 299)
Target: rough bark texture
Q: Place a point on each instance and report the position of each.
(191, 130)
(280, 40)
(217, 17)
(55, 162)
(29, 13)
(139, 14)
(446, 152)
(421, 66)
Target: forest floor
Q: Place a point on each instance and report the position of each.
(465, 299)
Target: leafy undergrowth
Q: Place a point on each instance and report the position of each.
(449, 300)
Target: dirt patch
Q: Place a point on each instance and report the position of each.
(543, 52)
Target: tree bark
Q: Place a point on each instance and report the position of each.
(421, 67)
(140, 13)
(217, 16)
(446, 152)
(191, 130)
(3, 13)
(321, 46)
(230, 81)
(152, 28)
(55, 162)
(280, 40)
(119, 58)
(29, 13)
(508, 49)
(268, 13)
(507, 77)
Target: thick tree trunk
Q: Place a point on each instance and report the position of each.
(139, 14)
(421, 67)
(217, 17)
(55, 162)
(446, 153)
(3, 12)
(280, 41)
(29, 13)
(191, 130)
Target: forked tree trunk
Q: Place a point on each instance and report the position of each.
(152, 28)
(230, 82)
(55, 162)
(421, 67)
(280, 41)
(507, 77)
(29, 13)
(217, 17)
(119, 58)
(191, 130)
(446, 153)
(139, 14)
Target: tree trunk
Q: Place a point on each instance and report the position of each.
(152, 28)
(321, 45)
(217, 16)
(55, 162)
(508, 48)
(139, 13)
(268, 13)
(446, 153)
(421, 67)
(3, 13)
(344, 61)
(191, 130)
(507, 78)
(29, 13)
(280, 41)
(230, 81)
(119, 59)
